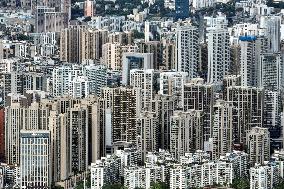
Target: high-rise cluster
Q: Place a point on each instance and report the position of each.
(90, 99)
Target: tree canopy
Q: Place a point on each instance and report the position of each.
(113, 186)
(159, 185)
(240, 183)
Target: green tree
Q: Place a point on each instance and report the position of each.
(88, 183)
(159, 185)
(113, 186)
(22, 37)
(138, 35)
(240, 183)
(80, 185)
(279, 185)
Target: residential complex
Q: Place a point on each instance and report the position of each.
(141, 94)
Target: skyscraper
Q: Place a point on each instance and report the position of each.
(97, 75)
(77, 139)
(135, 61)
(250, 51)
(271, 71)
(89, 8)
(35, 159)
(47, 19)
(154, 47)
(35, 117)
(248, 109)
(222, 129)
(186, 132)
(272, 24)
(79, 43)
(60, 78)
(187, 50)
(200, 96)
(125, 109)
(147, 133)
(258, 145)
(111, 55)
(264, 176)
(172, 83)
(13, 125)
(218, 54)
(2, 134)
(18, 82)
(79, 87)
(272, 113)
(169, 54)
(146, 80)
(165, 106)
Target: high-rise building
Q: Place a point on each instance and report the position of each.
(63, 6)
(2, 134)
(13, 125)
(222, 133)
(18, 82)
(125, 109)
(154, 47)
(231, 80)
(77, 139)
(169, 54)
(172, 84)
(218, 54)
(35, 117)
(111, 55)
(152, 31)
(165, 106)
(60, 78)
(200, 96)
(89, 8)
(49, 20)
(35, 161)
(272, 113)
(201, 175)
(124, 38)
(264, 176)
(271, 71)
(57, 126)
(100, 134)
(186, 132)
(240, 161)
(79, 43)
(78, 81)
(272, 25)
(79, 87)
(135, 61)
(187, 50)
(251, 47)
(258, 145)
(147, 133)
(235, 56)
(199, 4)
(248, 109)
(97, 76)
(143, 177)
(146, 80)
(105, 171)
(77, 133)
